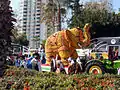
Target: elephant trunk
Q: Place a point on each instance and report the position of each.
(86, 35)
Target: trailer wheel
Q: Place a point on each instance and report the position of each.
(95, 68)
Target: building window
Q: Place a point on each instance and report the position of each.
(24, 29)
(25, 12)
(38, 21)
(24, 25)
(25, 8)
(37, 28)
(37, 32)
(25, 5)
(38, 25)
(24, 18)
(38, 17)
(38, 10)
(38, 6)
(38, 14)
(24, 15)
(38, 3)
(24, 22)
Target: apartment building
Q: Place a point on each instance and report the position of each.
(29, 20)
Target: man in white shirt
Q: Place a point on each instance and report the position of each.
(34, 62)
(70, 60)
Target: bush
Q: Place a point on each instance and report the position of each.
(15, 79)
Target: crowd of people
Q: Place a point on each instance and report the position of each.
(32, 61)
(35, 60)
(58, 67)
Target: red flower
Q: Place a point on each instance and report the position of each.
(111, 85)
(103, 83)
(91, 88)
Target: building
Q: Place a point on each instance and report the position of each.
(29, 20)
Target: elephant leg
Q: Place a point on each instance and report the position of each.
(48, 57)
(64, 55)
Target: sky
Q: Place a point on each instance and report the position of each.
(116, 4)
(15, 4)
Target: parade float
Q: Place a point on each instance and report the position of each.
(102, 57)
(64, 44)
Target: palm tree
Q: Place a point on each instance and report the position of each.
(49, 16)
(48, 13)
(6, 26)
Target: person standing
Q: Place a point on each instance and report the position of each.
(24, 62)
(17, 61)
(71, 61)
(42, 54)
(39, 64)
(34, 62)
(53, 64)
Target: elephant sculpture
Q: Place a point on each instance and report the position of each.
(65, 42)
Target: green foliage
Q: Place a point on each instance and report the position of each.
(43, 42)
(21, 39)
(17, 77)
(36, 38)
(63, 11)
(100, 16)
(77, 13)
(89, 12)
(6, 26)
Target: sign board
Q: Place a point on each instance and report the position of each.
(83, 52)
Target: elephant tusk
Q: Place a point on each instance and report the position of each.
(79, 45)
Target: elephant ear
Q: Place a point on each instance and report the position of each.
(71, 39)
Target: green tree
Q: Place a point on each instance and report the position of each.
(99, 14)
(95, 12)
(77, 13)
(88, 13)
(21, 39)
(6, 26)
